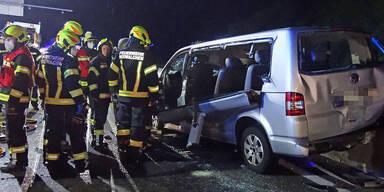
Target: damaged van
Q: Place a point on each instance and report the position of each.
(292, 91)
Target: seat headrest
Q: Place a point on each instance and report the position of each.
(262, 56)
(233, 62)
(200, 59)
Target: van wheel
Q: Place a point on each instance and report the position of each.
(256, 150)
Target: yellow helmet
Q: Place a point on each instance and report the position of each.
(103, 42)
(18, 32)
(66, 39)
(140, 33)
(74, 27)
(88, 36)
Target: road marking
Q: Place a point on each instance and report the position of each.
(150, 158)
(314, 178)
(122, 168)
(112, 182)
(333, 175)
(30, 174)
(126, 173)
(114, 187)
(51, 184)
(178, 151)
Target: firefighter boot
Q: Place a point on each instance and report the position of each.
(100, 146)
(17, 164)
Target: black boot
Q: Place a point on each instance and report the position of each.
(17, 164)
(81, 165)
(133, 155)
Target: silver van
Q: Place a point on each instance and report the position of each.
(292, 91)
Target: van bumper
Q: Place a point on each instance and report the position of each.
(298, 147)
(343, 142)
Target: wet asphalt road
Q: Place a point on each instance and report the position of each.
(169, 166)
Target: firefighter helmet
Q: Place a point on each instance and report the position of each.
(66, 39)
(18, 32)
(103, 42)
(141, 33)
(88, 36)
(74, 27)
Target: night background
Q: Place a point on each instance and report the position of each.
(174, 24)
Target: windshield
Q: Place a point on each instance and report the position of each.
(323, 52)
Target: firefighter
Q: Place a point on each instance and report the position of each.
(100, 96)
(137, 87)
(86, 53)
(15, 82)
(64, 101)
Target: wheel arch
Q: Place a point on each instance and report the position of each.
(245, 122)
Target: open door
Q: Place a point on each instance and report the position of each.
(173, 81)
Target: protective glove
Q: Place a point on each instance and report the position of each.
(114, 98)
(81, 113)
(154, 106)
(82, 110)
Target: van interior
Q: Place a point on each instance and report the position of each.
(214, 73)
(209, 73)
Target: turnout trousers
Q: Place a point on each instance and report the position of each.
(130, 123)
(17, 139)
(59, 119)
(99, 113)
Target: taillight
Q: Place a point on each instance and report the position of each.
(294, 104)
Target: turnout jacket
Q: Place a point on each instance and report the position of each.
(132, 74)
(98, 77)
(84, 56)
(61, 77)
(16, 76)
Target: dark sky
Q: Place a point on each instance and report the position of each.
(173, 24)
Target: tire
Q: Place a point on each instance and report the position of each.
(258, 157)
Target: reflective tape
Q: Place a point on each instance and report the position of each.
(153, 89)
(93, 87)
(99, 132)
(83, 83)
(94, 70)
(138, 78)
(134, 143)
(70, 72)
(54, 101)
(22, 69)
(123, 132)
(15, 150)
(80, 156)
(24, 99)
(114, 67)
(16, 93)
(133, 94)
(113, 83)
(76, 92)
(150, 69)
(92, 121)
(38, 58)
(45, 142)
(83, 58)
(53, 156)
(104, 95)
(4, 97)
(33, 99)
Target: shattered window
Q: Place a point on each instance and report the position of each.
(333, 51)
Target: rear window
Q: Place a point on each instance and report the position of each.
(323, 52)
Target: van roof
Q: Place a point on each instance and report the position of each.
(267, 33)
